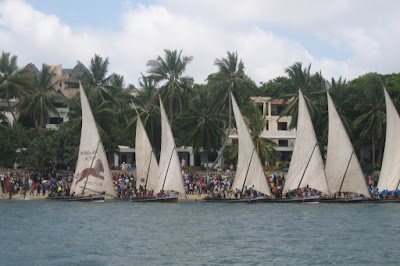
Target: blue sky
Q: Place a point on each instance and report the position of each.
(338, 37)
(76, 13)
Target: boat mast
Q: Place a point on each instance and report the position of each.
(169, 163)
(87, 177)
(248, 168)
(148, 170)
(347, 168)
(298, 186)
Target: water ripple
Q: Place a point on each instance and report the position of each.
(194, 233)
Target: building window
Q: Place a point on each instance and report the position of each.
(261, 108)
(282, 125)
(267, 125)
(283, 143)
(55, 120)
(72, 85)
(59, 105)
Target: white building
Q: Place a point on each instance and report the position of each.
(276, 127)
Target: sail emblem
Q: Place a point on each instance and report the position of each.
(95, 172)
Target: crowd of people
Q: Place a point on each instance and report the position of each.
(34, 183)
(212, 184)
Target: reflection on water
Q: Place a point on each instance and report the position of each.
(124, 233)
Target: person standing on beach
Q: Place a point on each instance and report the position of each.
(2, 183)
(39, 188)
(44, 187)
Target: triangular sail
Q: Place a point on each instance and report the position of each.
(170, 173)
(343, 170)
(306, 167)
(146, 162)
(249, 168)
(92, 174)
(390, 173)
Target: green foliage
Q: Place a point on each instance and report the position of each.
(8, 146)
(54, 149)
(277, 88)
(201, 126)
(37, 104)
(176, 91)
(203, 113)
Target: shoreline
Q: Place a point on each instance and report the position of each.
(41, 197)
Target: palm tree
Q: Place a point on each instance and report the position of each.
(229, 78)
(300, 76)
(37, 105)
(13, 81)
(201, 124)
(313, 87)
(147, 104)
(372, 119)
(96, 74)
(339, 92)
(171, 68)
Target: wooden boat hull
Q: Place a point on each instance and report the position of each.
(381, 201)
(226, 200)
(96, 198)
(284, 200)
(257, 199)
(312, 199)
(165, 199)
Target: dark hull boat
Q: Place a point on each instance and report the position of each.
(164, 199)
(98, 198)
(225, 200)
(310, 199)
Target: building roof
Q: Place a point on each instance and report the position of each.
(74, 73)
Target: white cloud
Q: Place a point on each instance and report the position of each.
(208, 29)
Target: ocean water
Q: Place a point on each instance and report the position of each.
(197, 233)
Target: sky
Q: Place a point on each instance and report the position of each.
(340, 38)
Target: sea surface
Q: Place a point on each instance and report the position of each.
(196, 233)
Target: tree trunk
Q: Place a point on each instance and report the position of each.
(373, 153)
(381, 148)
(207, 167)
(17, 129)
(171, 114)
(221, 151)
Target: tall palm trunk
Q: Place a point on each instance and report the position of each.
(17, 128)
(373, 152)
(207, 167)
(221, 151)
(171, 113)
(381, 148)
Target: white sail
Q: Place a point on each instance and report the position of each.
(343, 170)
(249, 171)
(170, 173)
(390, 173)
(92, 174)
(146, 162)
(306, 167)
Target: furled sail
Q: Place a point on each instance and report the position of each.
(146, 162)
(249, 171)
(306, 167)
(390, 173)
(92, 174)
(343, 170)
(170, 173)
